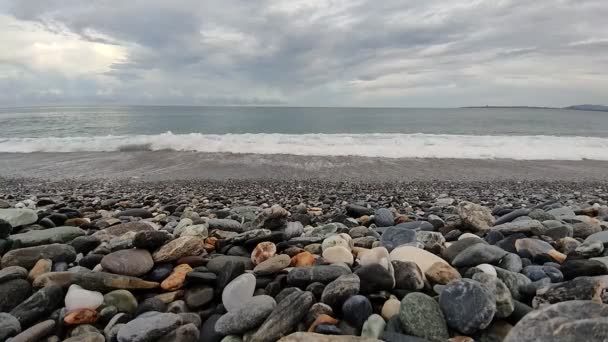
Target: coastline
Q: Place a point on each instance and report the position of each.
(171, 165)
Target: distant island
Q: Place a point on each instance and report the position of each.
(587, 107)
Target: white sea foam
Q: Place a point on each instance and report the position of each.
(369, 145)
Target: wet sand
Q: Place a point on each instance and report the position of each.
(170, 165)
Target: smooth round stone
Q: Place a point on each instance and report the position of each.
(421, 316)
(247, 317)
(18, 217)
(13, 292)
(238, 291)
(336, 292)
(422, 258)
(9, 326)
(394, 237)
(337, 254)
(160, 272)
(375, 278)
(79, 298)
(467, 305)
(123, 300)
(12, 272)
(342, 239)
(151, 239)
(373, 327)
(384, 217)
(576, 320)
(356, 310)
(511, 262)
(583, 267)
(302, 276)
(441, 273)
(36, 332)
(151, 304)
(130, 262)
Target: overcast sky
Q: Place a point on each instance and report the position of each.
(413, 53)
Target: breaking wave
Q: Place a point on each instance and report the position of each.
(367, 145)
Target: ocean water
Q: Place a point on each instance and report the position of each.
(514, 133)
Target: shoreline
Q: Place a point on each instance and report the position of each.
(171, 165)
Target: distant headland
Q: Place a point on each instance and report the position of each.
(587, 107)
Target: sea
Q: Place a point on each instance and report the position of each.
(462, 133)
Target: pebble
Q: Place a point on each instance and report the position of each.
(408, 275)
(375, 277)
(421, 316)
(179, 248)
(148, 327)
(130, 262)
(79, 298)
(383, 217)
(338, 254)
(475, 217)
(122, 300)
(36, 332)
(17, 217)
(262, 252)
(238, 291)
(284, 317)
(248, 317)
(13, 292)
(394, 237)
(420, 257)
(336, 292)
(9, 326)
(177, 278)
(38, 306)
(467, 305)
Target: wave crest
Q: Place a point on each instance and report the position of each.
(367, 145)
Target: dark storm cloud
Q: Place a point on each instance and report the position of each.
(308, 52)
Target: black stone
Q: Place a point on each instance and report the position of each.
(356, 310)
(13, 292)
(39, 305)
(374, 278)
(159, 272)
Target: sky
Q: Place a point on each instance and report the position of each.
(408, 53)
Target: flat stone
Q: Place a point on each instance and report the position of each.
(27, 257)
(583, 267)
(478, 254)
(528, 227)
(272, 265)
(467, 305)
(421, 316)
(123, 228)
(94, 281)
(185, 333)
(248, 317)
(179, 248)
(17, 217)
(284, 318)
(217, 264)
(130, 262)
(177, 278)
(512, 216)
(47, 236)
(336, 292)
(36, 332)
(39, 305)
(576, 320)
(148, 328)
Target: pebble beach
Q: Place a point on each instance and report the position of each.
(302, 260)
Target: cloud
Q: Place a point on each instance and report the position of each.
(304, 52)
